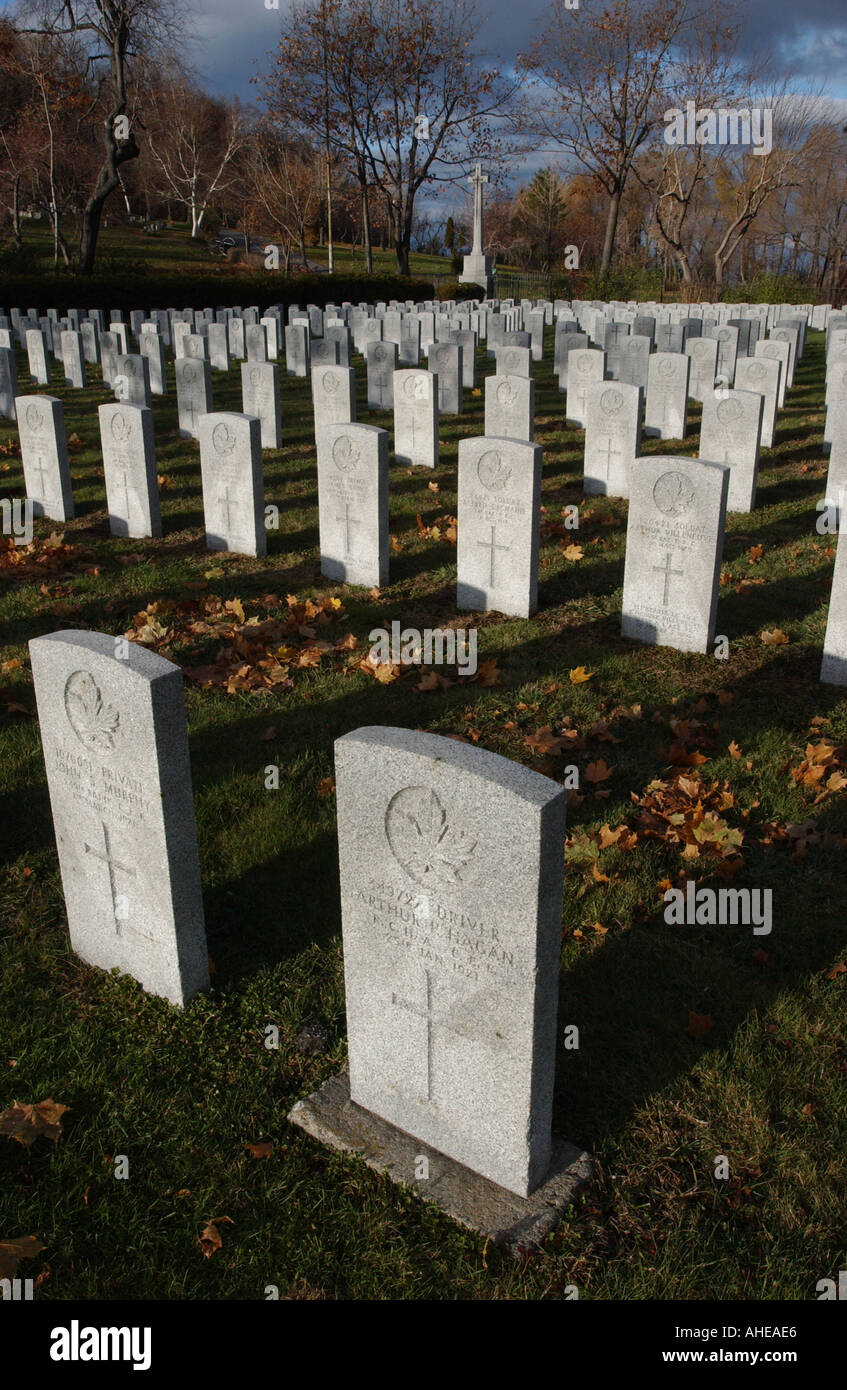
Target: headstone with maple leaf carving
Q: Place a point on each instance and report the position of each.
(730, 430)
(233, 487)
(353, 502)
(674, 544)
(704, 366)
(513, 361)
(73, 358)
(416, 417)
(151, 347)
(781, 351)
(585, 366)
(445, 359)
(132, 380)
(498, 525)
(451, 880)
(297, 349)
(612, 436)
(36, 351)
(260, 397)
(381, 356)
(113, 732)
(666, 402)
(129, 468)
(193, 377)
(567, 340)
(761, 374)
(44, 451)
(333, 394)
(510, 405)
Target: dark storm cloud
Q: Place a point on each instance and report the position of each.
(808, 39)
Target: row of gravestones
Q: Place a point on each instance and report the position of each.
(499, 484)
(450, 857)
(451, 886)
(498, 508)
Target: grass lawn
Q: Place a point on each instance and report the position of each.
(694, 1042)
(122, 246)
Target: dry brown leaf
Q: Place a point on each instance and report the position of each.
(598, 771)
(210, 1237)
(263, 1149)
(26, 1122)
(431, 680)
(13, 1251)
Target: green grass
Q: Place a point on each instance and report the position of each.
(173, 249)
(181, 1093)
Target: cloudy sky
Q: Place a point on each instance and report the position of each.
(808, 37)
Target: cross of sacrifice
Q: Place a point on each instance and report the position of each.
(666, 570)
(477, 178)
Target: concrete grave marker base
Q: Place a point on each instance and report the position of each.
(474, 1201)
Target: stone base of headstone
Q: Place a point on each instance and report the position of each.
(331, 1117)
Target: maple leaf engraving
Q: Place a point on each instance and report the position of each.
(94, 723)
(422, 839)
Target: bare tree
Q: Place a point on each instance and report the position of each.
(287, 179)
(397, 91)
(597, 87)
(747, 182)
(114, 31)
(194, 141)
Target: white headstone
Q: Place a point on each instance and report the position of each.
(112, 722)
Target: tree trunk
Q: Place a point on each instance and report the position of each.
(107, 182)
(366, 231)
(611, 229)
(16, 212)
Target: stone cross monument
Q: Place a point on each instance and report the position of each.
(476, 269)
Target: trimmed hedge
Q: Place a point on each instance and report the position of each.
(221, 286)
(452, 289)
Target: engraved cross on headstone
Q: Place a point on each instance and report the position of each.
(122, 483)
(666, 570)
(607, 455)
(226, 503)
(115, 865)
(431, 1020)
(347, 521)
(492, 546)
(38, 467)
